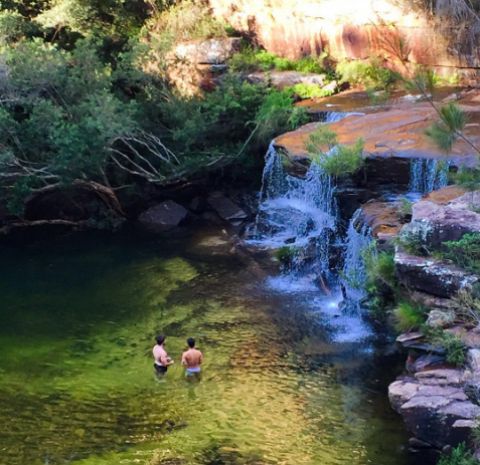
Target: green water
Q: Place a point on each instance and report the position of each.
(78, 317)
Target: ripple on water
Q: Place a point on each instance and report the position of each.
(275, 390)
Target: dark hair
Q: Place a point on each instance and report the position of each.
(160, 339)
(191, 342)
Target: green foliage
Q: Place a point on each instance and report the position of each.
(285, 255)
(424, 81)
(250, 60)
(460, 455)
(379, 267)
(455, 350)
(467, 307)
(368, 74)
(307, 91)
(339, 160)
(408, 316)
(181, 22)
(476, 435)
(114, 18)
(468, 178)
(277, 113)
(68, 113)
(405, 207)
(446, 131)
(464, 252)
(343, 160)
(14, 26)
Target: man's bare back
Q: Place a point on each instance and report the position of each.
(192, 358)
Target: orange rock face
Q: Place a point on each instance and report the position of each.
(346, 29)
(398, 132)
(383, 218)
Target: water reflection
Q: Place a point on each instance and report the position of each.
(77, 387)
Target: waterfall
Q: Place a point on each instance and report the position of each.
(273, 176)
(328, 117)
(354, 275)
(299, 213)
(428, 174)
(298, 217)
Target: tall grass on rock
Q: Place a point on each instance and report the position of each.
(335, 159)
(409, 316)
(460, 455)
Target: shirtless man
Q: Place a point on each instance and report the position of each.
(192, 359)
(162, 360)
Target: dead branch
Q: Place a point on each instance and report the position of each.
(84, 224)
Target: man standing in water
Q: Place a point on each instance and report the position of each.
(162, 360)
(192, 359)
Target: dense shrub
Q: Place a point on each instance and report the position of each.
(277, 113)
(465, 252)
(460, 455)
(409, 316)
(250, 59)
(455, 350)
(335, 159)
(285, 255)
(307, 91)
(368, 74)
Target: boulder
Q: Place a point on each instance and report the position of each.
(431, 301)
(438, 223)
(472, 389)
(163, 217)
(436, 277)
(282, 79)
(430, 411)
(211, 51)
(470, 337)
(400, 392)
(226, 208)
(473, 360)
(383, 218)
(440, 318)
(441, 377)
(425, 362)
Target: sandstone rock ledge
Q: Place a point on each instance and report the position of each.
(436, 404)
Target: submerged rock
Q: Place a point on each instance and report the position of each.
(163, 217)
(226, 208)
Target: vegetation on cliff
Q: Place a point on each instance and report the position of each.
(85, 98)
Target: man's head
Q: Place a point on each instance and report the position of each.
(160, 339)
(191, 342)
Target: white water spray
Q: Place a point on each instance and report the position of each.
(354, 274)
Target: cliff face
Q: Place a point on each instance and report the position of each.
(347, 29)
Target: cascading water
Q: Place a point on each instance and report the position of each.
(328, 117)
(427, 175)
(298, 213)
(354, 275)
(301, 216)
